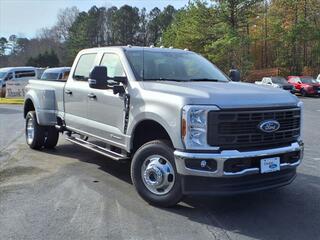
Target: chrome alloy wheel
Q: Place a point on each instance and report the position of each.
(157, 174)
(30, 130)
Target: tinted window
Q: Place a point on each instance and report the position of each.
(84, 66)
(21, 74)
(49, 76)
(65, 75)
(113, 64)
(9, 76)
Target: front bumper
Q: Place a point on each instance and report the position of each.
(192, 185)
(223, 156)
(221, 182)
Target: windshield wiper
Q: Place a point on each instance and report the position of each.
(165, 79)
(207, 80)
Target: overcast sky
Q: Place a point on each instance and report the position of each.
(25, 17)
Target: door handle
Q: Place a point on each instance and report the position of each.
(68, 92)
(92, 96)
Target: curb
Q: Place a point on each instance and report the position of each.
(11, 101)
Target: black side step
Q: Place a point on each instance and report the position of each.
(98, 149)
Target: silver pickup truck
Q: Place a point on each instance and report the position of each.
(186, 128)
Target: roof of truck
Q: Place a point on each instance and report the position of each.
(137, 48)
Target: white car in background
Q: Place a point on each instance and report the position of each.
(60, 73)
(318, 78)
(277, 82)
(20, 75)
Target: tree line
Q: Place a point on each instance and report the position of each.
(251, 34)
(77, 30)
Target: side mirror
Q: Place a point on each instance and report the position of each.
(234, 75)
(118, 89)
(122, 80)
(98, 77)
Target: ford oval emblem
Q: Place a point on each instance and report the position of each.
(273, 166)
(269, 126)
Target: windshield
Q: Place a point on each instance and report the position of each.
(50, 76)
(3, 74)
(172, 66)
(279, 80)
(308, 80)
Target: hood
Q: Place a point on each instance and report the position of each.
(224, 94)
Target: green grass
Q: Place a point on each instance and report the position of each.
(11, 100)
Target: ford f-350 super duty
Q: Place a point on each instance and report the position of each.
(186, 128)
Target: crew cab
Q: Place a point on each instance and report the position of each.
(277, 82)
(305, 85)
(184, 126)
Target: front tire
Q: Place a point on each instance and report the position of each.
(154, 175)
(34, 132)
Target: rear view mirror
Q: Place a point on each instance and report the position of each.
(98, 77)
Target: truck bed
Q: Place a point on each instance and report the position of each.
(51, 93)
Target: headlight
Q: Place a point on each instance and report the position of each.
(194, 126)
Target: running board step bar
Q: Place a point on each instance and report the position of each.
(98, 149)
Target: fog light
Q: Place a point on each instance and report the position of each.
(203, 163)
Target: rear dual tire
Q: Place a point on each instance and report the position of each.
(39, 136)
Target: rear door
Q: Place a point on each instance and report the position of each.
(76, 94)
(106, 110)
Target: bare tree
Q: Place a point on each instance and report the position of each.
(66, 17)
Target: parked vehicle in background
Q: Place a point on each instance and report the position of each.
(21, 74)
(305, 85)
(183, 125)
(39, 72)
(318, 78)
(60, 73)
(277, 82)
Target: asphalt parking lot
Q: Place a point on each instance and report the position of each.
(72, 193)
